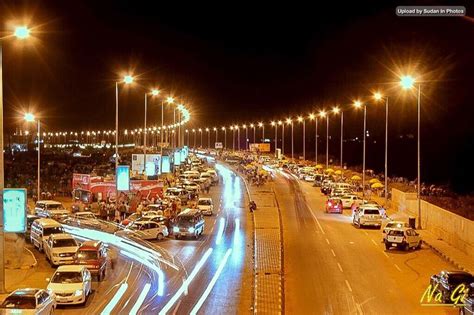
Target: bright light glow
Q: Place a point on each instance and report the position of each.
(260, 124)
(140, 299)
(336, 110)
(220, 231)
(169, 100)
(272, 123)
(311, 116)
(377, 96)
(128, 79)
(208, 290)
(186, 283)
(231, 127)
(223, 128)
(21, 32)
(322, 113)
(252, 125)
(207, 129)
(407, 82)
(29, 117)
(155, 92)
(244, 126)
(357, 104)
(215, 129)
(300, 119)
(113, 302)
(280, 122)
(288, 120)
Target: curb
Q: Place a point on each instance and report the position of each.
(25, 267)
(446, 257)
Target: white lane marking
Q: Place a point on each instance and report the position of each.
(208, 290)
(327, 241)
(340, 267)
(220, 231)
(396, 266)
(317, 221)
(186, 283)
(348, 286)
(333, 253)
(375, 243)
(113, 302)
(366, 233)
(140, 299)
(385, 254)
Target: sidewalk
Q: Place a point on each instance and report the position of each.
(455, 256)
(268, 248)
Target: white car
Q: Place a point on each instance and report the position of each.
(367, 215)
(349, 200)
(309, 178)
(85, 215)
(71, 284)
(46, 208)
(403, 238)
(145, 230)
(60, 249)
(393, 225)
(206, 206)
(29, 301)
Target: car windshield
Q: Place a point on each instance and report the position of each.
(185, 221)
(394, 224)
(66, 242)
(67, 277)
(55, 207)
(52, 230)
(371, 211)
(461, 278)
(204, 202)
(19, 302)
(86, 255)
(395, 233)
(86, 216)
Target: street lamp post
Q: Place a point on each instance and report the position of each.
(187, 133)
(194, 135)
(200, 135)
(225, 137)
(233, 138)
(253, 126)
(336, 111)
(358, 104)
(261, 125)
(238, 137)
(215, 130)
(407, 82)
(246, 137)
(292, 142)
(276, 134)
(302, 120)
(31, 118)
(208, 138)
(378, 96)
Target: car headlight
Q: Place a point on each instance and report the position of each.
(55, 255)
(176, 229)
(191, 230)
(78, 292)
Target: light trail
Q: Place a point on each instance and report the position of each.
(140, 299)
(220, 231)
(208, 290)
(114, 301)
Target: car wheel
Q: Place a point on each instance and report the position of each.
(176, 236)
(387, 246)
(419, 245)
(160, 236)
(405, 246)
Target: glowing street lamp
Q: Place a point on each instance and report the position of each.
(407, 82)
(200, 132)
(253, 126)
(246, 137)
(225, 137)
(379, 97)
(274, 124)
(21, 32)
(302, 120)
(208, 138)
(261, 125)
(358, 104)
(336, 110)
(29, 117)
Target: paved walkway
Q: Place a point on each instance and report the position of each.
(268, 247)
(455, 256)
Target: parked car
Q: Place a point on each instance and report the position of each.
(41, 229)
(446, 282)
(334, 205)
(367, 215)
(71, 284)
(393, 225)
(93, 255)
(350, 199)
(403, 238)
(30, 218)
(309, 178)
(29, 301)
(468, 302)
(206, 206)
(145, 230)
(60, 249)
(43, 207)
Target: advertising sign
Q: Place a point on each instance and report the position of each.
(153, 164)
(81, 181)
(259, 147)
(14, 210)
(177, 158)
(218, 145)
(123, 178)
(165, 164)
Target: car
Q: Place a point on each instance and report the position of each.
(131, 218)
(334, 205)
(45, 207)
(189, 222)
(402, 237)
(468, 302)
(367, 215)
(393, 225)
(41, 229)
(339, 192)
(93, 255)
(349, 199)
(84, 215)
(30, 218)
(72, 284)
(29, 301)
(309, 178)
(60, 249)
(446, 282)
(206, 206)
(214, 176)
(145, 230)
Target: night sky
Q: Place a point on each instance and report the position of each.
(241, 62)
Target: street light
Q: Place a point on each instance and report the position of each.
(280, 123)
(153, 92)
(324, 114)
(358, 104)
(302, 120)
(187, 133)
(236, 127)
(261, 125)
(378, 97)
(225, 137)
(408, 82)
(21, 32)
(253, 126)
(290, 121)
(194, 135)
(208, 138)
(273, 123)
(200, 134)
(215, 130)
(246, 137)
(29, 117)
(315, 118)
(233, 138)
(336, 110)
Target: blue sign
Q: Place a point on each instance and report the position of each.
(165, 164)
(123, 178)
(177, 158)
(14, 210)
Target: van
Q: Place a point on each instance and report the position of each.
(93, 255)
(41, 229)
(189, 222)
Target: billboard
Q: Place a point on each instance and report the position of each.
(259, 147)
(177, 158)
(123, 177)
(153, 164)
(14, 210)
(165, 164)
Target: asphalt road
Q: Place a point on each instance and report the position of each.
(331, 267)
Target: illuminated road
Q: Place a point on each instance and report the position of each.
(333, 268)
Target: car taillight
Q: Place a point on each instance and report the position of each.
(329, 204)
